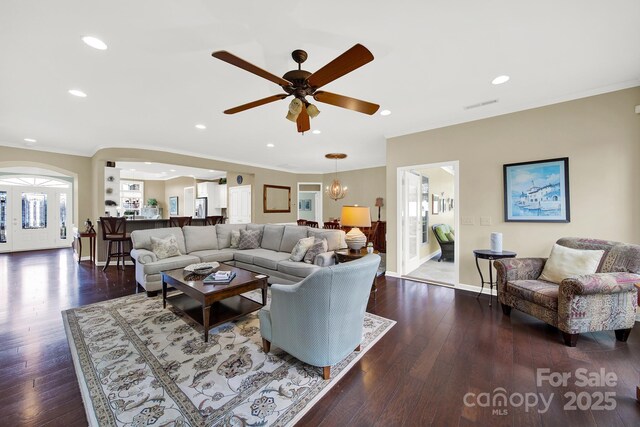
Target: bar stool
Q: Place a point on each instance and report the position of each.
(114, 229)
(213, 220)
(179, 221)
(312, 224)
(302, 222)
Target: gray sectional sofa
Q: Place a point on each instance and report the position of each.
(212, 243)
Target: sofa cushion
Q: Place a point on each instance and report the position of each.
(249, 239)
(180, 261)
(211, 255)
(301, 248)
(199, 238)
(536, 291)
(272, 236)
(568, 262)
(335, 238)
(246, 256)
(292, 234)
(141, 239)
(298, 269)
(441, 231)
(319, 246)
(224, 233)
(261, 257)
(165, 248)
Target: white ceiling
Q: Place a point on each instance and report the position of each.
(158, 79)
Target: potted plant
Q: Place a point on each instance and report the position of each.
(152, 202)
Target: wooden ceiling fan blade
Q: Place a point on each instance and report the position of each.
(303, 121)
(257, 103)
(352, 59)
(230, 58)
(346, 102)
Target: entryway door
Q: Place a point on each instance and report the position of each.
(33, 217)
(240, 204)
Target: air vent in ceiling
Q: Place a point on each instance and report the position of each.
(481, 104)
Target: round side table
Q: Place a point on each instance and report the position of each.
(490, 256)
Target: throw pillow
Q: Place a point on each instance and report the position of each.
(249, 239)
(165, 248)
(319, 246)
(301, 248)
(568, 262)
(235, 238)
(450, 236)
(440, 231)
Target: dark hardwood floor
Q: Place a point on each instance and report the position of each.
(446, 344)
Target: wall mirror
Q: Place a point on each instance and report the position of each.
(277, 199)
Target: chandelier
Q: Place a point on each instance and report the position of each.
(336, 190)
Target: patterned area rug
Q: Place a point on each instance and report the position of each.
(139, 364)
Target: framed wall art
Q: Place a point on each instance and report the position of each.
(173, 205)
(537, 191)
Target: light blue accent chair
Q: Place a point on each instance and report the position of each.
(320, 319)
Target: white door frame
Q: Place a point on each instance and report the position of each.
(318, 200)
(52, 232)
(400, 207)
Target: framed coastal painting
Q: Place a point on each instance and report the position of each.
(173, 205)
(537, 191)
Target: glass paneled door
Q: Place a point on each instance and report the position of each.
(34, 217)
(411, 221)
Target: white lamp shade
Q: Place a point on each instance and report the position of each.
(356, 216)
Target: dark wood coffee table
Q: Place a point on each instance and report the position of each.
(210, 304)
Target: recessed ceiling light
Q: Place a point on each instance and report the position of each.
(78, 93)
(30, 140)
(94, 42)
(172, 170)
(201, 126)
(316, 132)
(500, 79)
(148, 163)
(211, 170)
(385, 112)
(132, 170)
(270, 145)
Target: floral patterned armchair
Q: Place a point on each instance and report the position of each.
(606, 300)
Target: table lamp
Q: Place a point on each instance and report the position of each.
(355, 216)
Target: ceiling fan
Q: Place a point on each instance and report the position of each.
(301, 83)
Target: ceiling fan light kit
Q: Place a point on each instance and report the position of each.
(301, 83)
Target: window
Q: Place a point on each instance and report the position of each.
(63, 216)
(34, 211)
(3, 217)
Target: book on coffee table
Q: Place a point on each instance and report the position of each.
(219, 277)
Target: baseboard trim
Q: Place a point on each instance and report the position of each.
(102, 263)
(461, 286)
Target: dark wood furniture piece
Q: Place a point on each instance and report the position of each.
(114, 229)
(302, 222)
(312, 224)
(346, 255)
(179, 221)
(213, 220)
(331, 225)
(213, 304)
(489, 255)
(77, 243)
